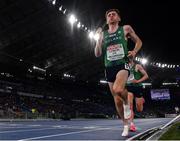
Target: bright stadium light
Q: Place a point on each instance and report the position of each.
(96, 37)
(159, 65)
(64, 12)
(103, 81)
(78, 25)
(54, 2)
(40, 69)
(72, 19)
(146, 84)
(60, 8)
(138, 59)
(91, 34)
(144, 61)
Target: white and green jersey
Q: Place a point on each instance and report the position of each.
(115, 49)
(134, 75)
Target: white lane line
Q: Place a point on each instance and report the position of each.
(10, 125)
(26, 130)
(77, 127)
(152, 135)
(63, 134)
(35, 125)
(16, 127)
(59, 126)
(14, 124)
(178, 116)
(132, 138)
(171, 122)
(90, 127)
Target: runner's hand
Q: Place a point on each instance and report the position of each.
(100, 35)
(99, 30)
(131, 54)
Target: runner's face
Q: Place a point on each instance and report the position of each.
(112, 17)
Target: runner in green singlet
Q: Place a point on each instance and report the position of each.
(112, 44)
(134, 87)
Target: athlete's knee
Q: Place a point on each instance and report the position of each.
(118, 90)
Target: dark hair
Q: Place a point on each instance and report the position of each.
(110, 10)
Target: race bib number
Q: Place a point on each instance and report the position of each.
(115, 52)
(131, 77)
(126, 66)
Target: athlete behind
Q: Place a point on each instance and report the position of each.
(134, 87)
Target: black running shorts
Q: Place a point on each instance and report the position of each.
(111, 72)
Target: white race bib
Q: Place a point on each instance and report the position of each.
(131, 75)
(115, 52)
(130, 78)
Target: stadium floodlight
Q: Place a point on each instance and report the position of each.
(64, 12)
(40, 69)
(103, 81)
(78, 25)
(138, 59)
(144, 61)
(170, 83)
(54, 2)
(96, 37)
(67, 75)
(91, 35)
(60, 8)
(159, 65)
(146, 84)
(29, 70)
(72, 19)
